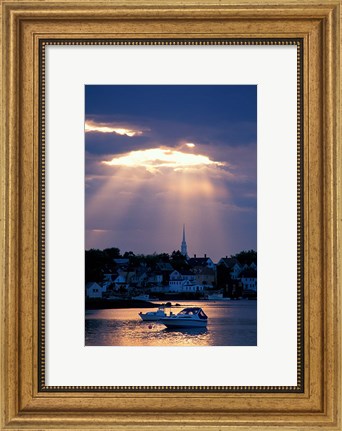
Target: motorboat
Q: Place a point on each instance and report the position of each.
(153, 316)
(191, 317)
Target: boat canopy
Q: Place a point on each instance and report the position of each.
(194, 311)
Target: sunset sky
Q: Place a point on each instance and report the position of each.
(160, 156)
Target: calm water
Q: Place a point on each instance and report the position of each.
(231, 323)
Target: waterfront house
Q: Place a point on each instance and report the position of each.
(181, 275)
(123, 280)
(94, 290)
(249, 279)
(253, 266)
(183, 281)
(204, 275)
(184, 286)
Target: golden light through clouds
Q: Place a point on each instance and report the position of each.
(154, 158)
(91, 126)
(168, 179)
(161, 156)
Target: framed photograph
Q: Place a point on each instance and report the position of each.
(151, 176)
(171, 220)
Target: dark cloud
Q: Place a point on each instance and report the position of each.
(104, 144)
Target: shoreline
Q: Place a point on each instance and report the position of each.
(99, 303)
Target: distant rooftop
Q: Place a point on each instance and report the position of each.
(199, 261)
(164, 266)
(229, 262)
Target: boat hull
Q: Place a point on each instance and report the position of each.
(151, 318)
(180, 323)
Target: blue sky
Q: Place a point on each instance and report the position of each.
(160, 156)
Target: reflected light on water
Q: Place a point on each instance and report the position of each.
(231, 323)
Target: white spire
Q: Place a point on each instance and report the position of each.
(184, 250)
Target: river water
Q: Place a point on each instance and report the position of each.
(230, 323)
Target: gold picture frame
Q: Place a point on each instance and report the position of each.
(25, 403)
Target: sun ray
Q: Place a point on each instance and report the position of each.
(174, 187)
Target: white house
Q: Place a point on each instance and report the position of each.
(183, 275)
(123, 279)
(183, 282)
(177, 279)
(249, 279)
(185, 286)
(253, 266)
(94, 290)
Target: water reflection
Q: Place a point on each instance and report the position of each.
(231, 323)
(187, 331)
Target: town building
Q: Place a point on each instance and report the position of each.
(249, 279)
(205, 276)
(183, 281)
(123, 280)
(156, 278)
(201, 262)
(94, 290)
(139, 277)
(164, 267)
(233, 265)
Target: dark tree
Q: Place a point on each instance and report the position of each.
(112, 253)
(246, 257)
(128, 254)
(95, 261)
(164, 257)
(178, 261)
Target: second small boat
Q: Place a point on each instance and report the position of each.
(153, 316)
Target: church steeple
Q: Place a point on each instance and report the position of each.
(184, 248)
